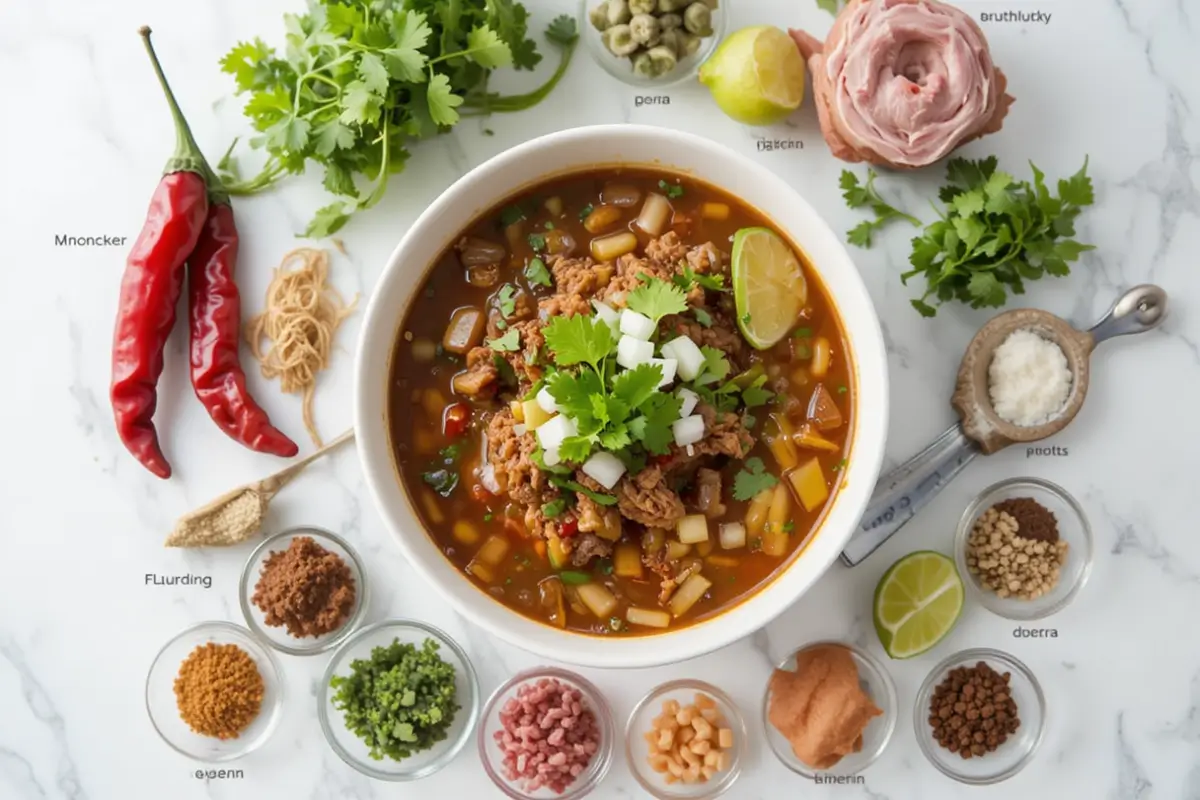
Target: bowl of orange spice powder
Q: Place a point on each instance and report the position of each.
(214, 692)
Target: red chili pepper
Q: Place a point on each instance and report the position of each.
(455, 420)
(214, 306)
(569, 527)
(150, 289)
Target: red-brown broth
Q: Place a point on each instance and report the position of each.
(420, 393)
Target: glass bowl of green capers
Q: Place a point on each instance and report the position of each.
(652, 42)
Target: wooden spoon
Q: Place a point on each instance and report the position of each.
(901, 493)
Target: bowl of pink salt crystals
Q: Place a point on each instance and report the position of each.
(546, 733)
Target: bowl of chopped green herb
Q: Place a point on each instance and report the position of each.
(398, 700)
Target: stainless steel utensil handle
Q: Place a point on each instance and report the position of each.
(1138, 310)
(904, 491)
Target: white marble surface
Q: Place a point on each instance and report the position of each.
(84, 136)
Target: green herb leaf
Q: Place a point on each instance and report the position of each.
(687, 278)
(536, 272)
(579, 340)
(656, 298)
(562, 31)
(507, 343)
(866, 196)
(574, 578)
(487, 49)
(673, 190)
(443, 101)
(715, 367)
(538, 242)
(508, 299)
(510, 215)
(328, 220)
(585, 211)
(703, 317)
(564, 483)
(554, 508)
(653, 427)
(752, 480)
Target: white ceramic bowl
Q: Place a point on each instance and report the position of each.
(520, 169)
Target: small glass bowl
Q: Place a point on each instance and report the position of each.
(621, 67)
(164, 710)
(875, 682)
(1073, 528)
(492, 757)
(351, 749)
(278, 636)
(649, 707)
(1012, 756)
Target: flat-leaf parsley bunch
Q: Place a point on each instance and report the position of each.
(358, 81)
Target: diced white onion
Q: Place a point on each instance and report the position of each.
(631, 352)
(519, 429)
(692, 529)
(604, 468)
(732, 535)
(639, 326)
(546, 401)
(688, 430)
(669, 365)
(691, 359)
(487, 478)
(550, 456)
(551, 433)
(690, 399)
(609, 314)
(667, 349)
(691, 450)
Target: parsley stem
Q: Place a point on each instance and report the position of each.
(489, 103)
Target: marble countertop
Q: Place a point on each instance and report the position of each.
(85, 135)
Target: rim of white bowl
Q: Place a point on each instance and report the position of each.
(860, 323)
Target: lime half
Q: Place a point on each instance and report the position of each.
(756, 76)
(768, 286)
(917, 602)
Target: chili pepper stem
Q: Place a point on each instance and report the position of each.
(188, 156)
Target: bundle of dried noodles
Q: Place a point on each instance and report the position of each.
(302, 315)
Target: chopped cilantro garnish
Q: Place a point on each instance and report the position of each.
(487, 517)
(554, 508)
(714, 368)
(536, 272)
(842, 389)
(703, 317)
(789, 526)
(746, 318)
(673, 190)
(583, 212)
(839, 465)
(656, 298)
(615, 623)
(450, 453)
(548, 225)
(507, 299)
(755, 395)
(574, 486)
(802, 333)
(604, 566)
(501, 324)
(749, 421)
(443, 481)
(538, 242)
(507, 343)
(511, 215)
(752, 480)
(689, 278)
(508, 375)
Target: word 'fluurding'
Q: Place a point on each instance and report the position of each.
(178, 580)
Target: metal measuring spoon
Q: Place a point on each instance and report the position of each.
(904, 491)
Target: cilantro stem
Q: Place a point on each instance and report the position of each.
(489, 103)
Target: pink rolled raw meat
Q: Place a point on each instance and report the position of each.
(901, 83)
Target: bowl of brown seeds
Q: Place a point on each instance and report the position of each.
(980, 716)
(1024, 548)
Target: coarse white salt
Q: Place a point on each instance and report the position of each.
(1029, 379)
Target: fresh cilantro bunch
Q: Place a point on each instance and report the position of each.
(996, 233)
(358, 81)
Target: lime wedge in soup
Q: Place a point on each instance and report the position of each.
(756, 76)
(917, 602)
(768, 286)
